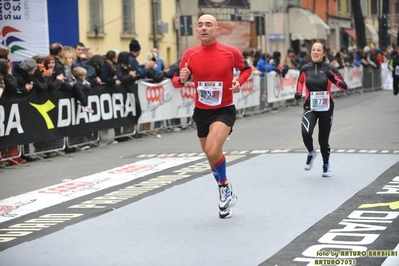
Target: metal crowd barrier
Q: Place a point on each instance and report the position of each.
(262, 107)
(11, 154)
(84, 140)
(40, 149)
(371, 80)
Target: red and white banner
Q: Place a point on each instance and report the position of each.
(280, 89)
(353, 77)
(162, 101)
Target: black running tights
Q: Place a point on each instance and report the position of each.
(309, 120)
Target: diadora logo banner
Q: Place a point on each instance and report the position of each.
(43, 116)
(23, 23)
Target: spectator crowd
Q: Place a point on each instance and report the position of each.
(77, 70)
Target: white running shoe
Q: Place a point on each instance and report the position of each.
(326, 170)
(309, 161)
(227, 200)
(88, 109)
(227, 213)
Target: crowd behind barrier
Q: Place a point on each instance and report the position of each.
(45, 122)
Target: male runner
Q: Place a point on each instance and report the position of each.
(211, 65)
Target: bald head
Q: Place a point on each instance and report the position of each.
(207, 17)
(207, 29)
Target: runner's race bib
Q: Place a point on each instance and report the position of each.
(319, 101)
(210, 92)
(397, 70)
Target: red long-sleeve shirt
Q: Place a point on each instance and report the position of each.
(214, 63)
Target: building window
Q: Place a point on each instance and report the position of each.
(363, 5)
(349, 8)
(156, 16)
(339, 8)
(375, 8)
(129, 26)
(96, 17)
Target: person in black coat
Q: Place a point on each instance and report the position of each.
(26, 78)
(10, 83)
(56, 50)
(128, 77)
(93, 67)
(108, 69)
(51, 77)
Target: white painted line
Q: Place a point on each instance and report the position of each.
(33, 201)
(259, 151)
(278, 151)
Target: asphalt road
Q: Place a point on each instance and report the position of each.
(361, 121)
(266, 148)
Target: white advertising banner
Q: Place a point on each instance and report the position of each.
(386, 77)
(24, 28)
(162, 101)
(279, 88)
(352, 76)
(355, 77)
(249, 95)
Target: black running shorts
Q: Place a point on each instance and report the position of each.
(203, 118)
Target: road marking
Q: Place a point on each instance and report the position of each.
(22, 229)
(348, 151)
(23, 204)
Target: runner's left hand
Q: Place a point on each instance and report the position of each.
(236, 86)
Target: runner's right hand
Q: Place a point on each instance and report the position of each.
(297, 96)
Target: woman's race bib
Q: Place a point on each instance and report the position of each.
(319, 101)
(210, 92)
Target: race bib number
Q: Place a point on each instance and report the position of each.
(319, 101)
(210, 92)
(397, 70)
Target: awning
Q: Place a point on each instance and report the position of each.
(351, 32)
(371, 34)
(305, 25)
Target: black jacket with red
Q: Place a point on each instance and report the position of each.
(313, 77)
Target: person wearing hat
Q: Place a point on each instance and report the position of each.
(24, 74)
(135, 48)
(26, 79)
